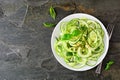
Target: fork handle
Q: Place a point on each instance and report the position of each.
(98, 69)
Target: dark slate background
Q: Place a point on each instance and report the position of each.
(25, 52)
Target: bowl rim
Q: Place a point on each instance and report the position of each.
(106, 43)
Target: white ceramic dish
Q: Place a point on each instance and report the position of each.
(57, 32)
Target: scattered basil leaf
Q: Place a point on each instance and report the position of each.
(76, 32)
(83, 28)
(69, 54)
(66, 36)
(52, 12)
(108, 65)
(46, 24)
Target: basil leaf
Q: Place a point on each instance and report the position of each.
(108, 65)
(46, 24)
(76, 32)
(66, 36)
(52, 12)
(69, 54)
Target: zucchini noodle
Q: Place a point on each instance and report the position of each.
(80, 42)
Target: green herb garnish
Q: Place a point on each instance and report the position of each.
(66, 37)
(108, 65)
(46, 24)
(52, 12)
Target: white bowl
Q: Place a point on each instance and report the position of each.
(57, 32)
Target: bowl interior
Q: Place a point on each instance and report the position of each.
(56, 33)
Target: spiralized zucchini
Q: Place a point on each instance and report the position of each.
(80, 42)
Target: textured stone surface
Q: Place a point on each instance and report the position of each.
(25, 51)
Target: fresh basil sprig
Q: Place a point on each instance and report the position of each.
(46, 24)
(52, 12)
(53, 15)
(108, 65)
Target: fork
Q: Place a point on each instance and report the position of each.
(110, 31)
